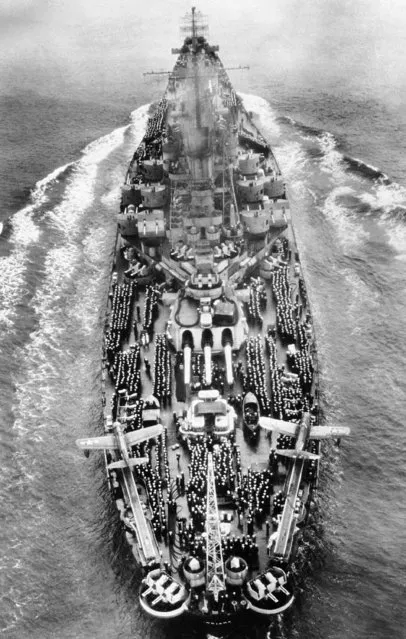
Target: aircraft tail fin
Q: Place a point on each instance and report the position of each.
(133, 461)
(294, 454)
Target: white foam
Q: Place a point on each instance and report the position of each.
(332, 160)
(12, 277)
(263, 109)
(39, 194)
(386, 196)
(397, 237)
(90, 291)
(139, 119)
(67, 302)
(292, 159)
(290, 155)
(112, 196)
(350, 232)
(79, 192)
(385, 199)
(24, 233)
(13, 266)
(362, 299)
(60, 263)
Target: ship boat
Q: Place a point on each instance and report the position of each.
(209, 334)
(250, 414)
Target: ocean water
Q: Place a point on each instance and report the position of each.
(338, 134)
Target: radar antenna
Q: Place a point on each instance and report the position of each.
(194, 26)
(215, 580)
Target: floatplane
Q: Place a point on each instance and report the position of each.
(122, 442)
(302, 432)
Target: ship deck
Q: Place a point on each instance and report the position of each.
(254, 453)
(209, 367)
(207, 294)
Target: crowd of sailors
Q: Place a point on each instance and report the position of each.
(244, 546)
(253, 496)
(120, 318)
(154, 486)
(278, 503)
(227, 472)
(290, 391)
(292, 397)
(282, 251)
(255, 380)
(162, 371)
(163, 460)
(126, 370)
(281, 289)
(275, 377)
(155, 478)
(196, 487)
(152, 296)
(257, 302)
(131, 410)
(218, 374)
(302, 290)
(250, 494)
(156, 122)
(229, 96)
(302, 365)
(312, 466)
(151, 145)
(224, 472)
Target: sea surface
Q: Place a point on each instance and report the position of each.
(65, 570)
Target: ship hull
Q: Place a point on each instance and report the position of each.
(209, 336)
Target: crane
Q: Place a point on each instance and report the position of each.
(215, 579)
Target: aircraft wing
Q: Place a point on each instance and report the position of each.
(105, 442)
(293, 454)
(286, 428)
(324, 432)
(133, 461)
(141, 435)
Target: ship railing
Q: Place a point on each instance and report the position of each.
(231, 177)
(316, 370)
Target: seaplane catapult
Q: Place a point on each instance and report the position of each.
(303, 432)
(121, 442)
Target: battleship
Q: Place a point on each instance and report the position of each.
(212, 420)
